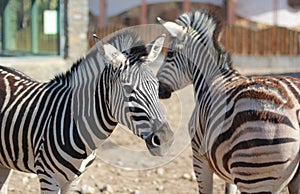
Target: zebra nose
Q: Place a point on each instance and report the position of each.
(160, 141)
(164, 91)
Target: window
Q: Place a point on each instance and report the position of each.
(29, 27)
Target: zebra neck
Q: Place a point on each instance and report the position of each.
(212, 78)
(212, 88)
(90, 111)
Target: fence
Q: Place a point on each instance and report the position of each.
(270, 41)
(237, 39)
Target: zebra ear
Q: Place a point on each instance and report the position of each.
(110, 54)
(174, 29)
(154, 48)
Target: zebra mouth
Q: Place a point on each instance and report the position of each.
(164, 91)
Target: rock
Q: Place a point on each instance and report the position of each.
(193, 176)
(160, 171)
(120, 163)
(160, 188)
(87, 189)
(186, 176)
(28, 187)
(32, 176)
(148, 173)
(135, 192)
(25, 180)
(106, 189)
(92, 176)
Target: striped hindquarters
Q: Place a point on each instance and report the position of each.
(258, 146)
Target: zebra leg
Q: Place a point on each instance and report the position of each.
(48, 185)
(230, 188)
(66, 188)
(294, 185)
(203, 173)
(70, 185)
(4, 178)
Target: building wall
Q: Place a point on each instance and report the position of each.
(77, 18)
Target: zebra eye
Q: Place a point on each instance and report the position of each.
(170, 54)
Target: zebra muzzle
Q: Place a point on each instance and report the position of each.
(160, 141)
(164, 91)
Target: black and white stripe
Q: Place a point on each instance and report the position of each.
(246, 130)
(53, 128)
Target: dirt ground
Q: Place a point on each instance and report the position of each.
(174, 176)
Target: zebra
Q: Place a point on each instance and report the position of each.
(53, 129)
(245, 130)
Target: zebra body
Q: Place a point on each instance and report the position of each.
(246, 130)
(53, 128)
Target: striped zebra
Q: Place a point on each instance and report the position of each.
(245, 130)
(53, 129)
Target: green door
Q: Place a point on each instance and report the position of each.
(29, 27)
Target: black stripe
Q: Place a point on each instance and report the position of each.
(256, 165)
(258, 193)
(47, 189)
(42, 180)
(253, 181)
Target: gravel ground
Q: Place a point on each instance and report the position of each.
(175, 176)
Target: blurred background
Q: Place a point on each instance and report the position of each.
(63, 28)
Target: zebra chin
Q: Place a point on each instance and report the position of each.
(164, 91)
(160, 141)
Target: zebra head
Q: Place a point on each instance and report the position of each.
(174, 74)
(133, 89)
(190, 33)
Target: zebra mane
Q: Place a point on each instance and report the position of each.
(125, 41)
(128, 41)
(67, 75)
(208, 24)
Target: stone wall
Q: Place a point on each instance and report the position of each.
(77, 26)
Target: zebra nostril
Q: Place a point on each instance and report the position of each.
(155, 141)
